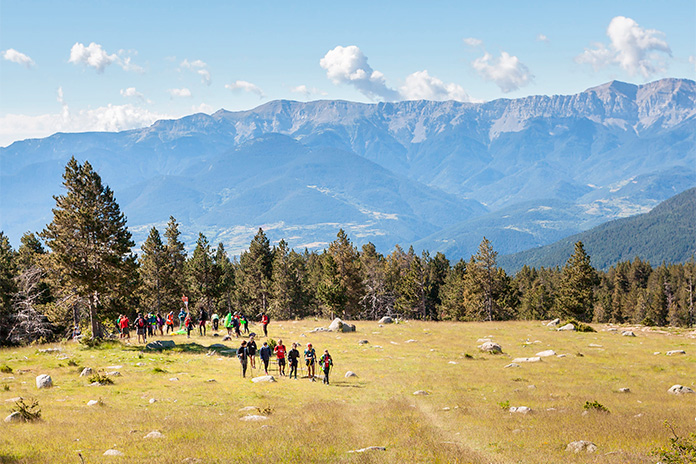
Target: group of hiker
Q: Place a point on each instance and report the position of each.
(247, 356)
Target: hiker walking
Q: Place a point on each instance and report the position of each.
(310, 357)
(182, 318)
(243, 355)
(280, 354)
(244, 322)
(188, 323)
(265, 320)
(326, 364)
(293, 357)
(235, 326)
(151, 323)
(215, 320)
(140, 328)
(170, 322)
(228, 322)
(160, 323)
(201, 323)
(125, 329)
(265, 355)
(252, 350)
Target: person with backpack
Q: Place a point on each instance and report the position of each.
(243, 355)
(160, 323)
(188, 323)
(310, 357)
(293, 357)
(252, 351)
(265, 320)
(265, 355)
(228, 323)
(326, 364)
(170, 322)
(141, 328)
(125, 329)
(151, 323)
(244, 322)
(182, 318)
(235, 326)
(280, 354)
(215, 320)
(202, 321)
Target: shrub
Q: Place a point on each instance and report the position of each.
(29, 412)
(595, 406)
(681, 450)
(158, 370)
(101, 379)
(504, 405)
(580, 327)
(5, 369)
(72, 363)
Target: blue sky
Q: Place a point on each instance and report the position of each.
(97, 65)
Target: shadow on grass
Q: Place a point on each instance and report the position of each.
(188, 348)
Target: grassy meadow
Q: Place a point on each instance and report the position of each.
(461, 420)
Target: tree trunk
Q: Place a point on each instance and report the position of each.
(94, 321)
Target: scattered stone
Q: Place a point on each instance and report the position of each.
(192, 460)
(594, 345)
(553, 323)
(140, 364)
(624, 390)
(386, 320)
(248, 408)
(319, 329)
(534, 359)
(561, 355)
(44, 381)
(159, 345)
(452, 362)
(13, 400)
(581, 446)
(545, 354)
(363, 342)
(656, 353)
(628, 333)
(94, 384)
(521, 409)
(673, 352)
(113, 374)
(421, 393)
(154, 434)
(211, 381)
(512, 365)
(174, 379)
(263, 378)
(369, 448)
(253, 418)
(350, 374)
(152, 401)
(50, 350)
(446, 408)
(531, 387)
(483, 340)
(92, 403)
(113, 452)
(113, 368)
(612, 329)
(226, 338)
(679, 390)
(410, 341)
(567, 327)
(337, 325)
(491, 347)
(14, 418)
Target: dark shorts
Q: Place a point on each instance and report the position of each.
(141, 330)
(281, 361)
(309, 361)
(124, 331)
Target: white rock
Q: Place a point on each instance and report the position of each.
(580, 446)
(154, 434)
(92, 403)
(253, 418)
(624, 390)
(546, 353)
(248, 408)
(656, 353)
(44, 381)
(337, 325)
(483, 340)
(14, 417)
(13, 400)
(567, 327)
(350, 374)
(553, 323)
(363, 342)
(561, 355)
(512, 365)
(534, 359)
(113, 452)
(152, 401)
(410, 341)
(679, 390)
(673, 352)
(628, 333)
(452, 362)
(263, 378)
(369, 448)
(386, 320)
(86, 372)
(491, 347)
(521, 409)
(174, 379)
(421, 393)
(113, 374)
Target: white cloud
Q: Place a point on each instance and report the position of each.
(542, 38)
(96, 57)
(692, 60)
(421, 86)
(200, 68)
(508, 72)
(473, 42)
(306, 91)
(348, 65)
(131, 92)
(245, 87)
(183, 92)
(17, 57)
(632, 48)
(105, 118)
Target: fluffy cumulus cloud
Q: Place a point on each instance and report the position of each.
(348, 65)
(200, 68)
(105, 118)
(422, 86)
(94, 56)
(17, 57)
(245, 86)
(507, 71)
(183, 92)
(634, 49)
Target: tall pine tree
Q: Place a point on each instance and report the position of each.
(576, 289)
(155, 270)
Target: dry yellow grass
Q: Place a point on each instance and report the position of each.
(310, 422)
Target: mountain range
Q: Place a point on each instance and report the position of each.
(436, 175)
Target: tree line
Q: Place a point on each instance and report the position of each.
(81, 270)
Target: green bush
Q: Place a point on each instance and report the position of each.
(595, 406)
(5, 369)
(101, 379)
(29, 412)
(681, 450)
(504, 404)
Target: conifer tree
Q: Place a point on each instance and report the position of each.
(453, 293)
(175, 283)
(286, 287)
(90, 242)
(202, 275)
(331, 291)
(255, 271)
(225, 282)
(576, 290)
(345, 256)
(155, 270)
(377, 300)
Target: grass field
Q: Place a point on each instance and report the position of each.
(461, 420)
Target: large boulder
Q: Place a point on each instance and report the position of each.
(679, 390)
(491, 347)
(159, 345)
(567, 327)
(44, 381)
(386, 320)
(337, 325)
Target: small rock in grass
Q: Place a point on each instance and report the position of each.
(253, 418)
(92, 403)
(544, 354)
(673, 352)
(263, 378)
(174, 379)
(152, 401)
(483, 340)
(14, 417)
(154, 434)
(386, 320)
(624, 390)
(581, 446)
(567, 327)
(113, 452)
(628, 333)
(534, 359)
(553, 323)
(13, 400)
(512, 365)
(113, 374)
(491, 347)
(521, 409)
(350, 374)
(410, 341)
(44, 381)
(656, 353)
(421, 393)
(86, 372)
(452, 362)
(369, 448)
(680, 390)
(363, 342)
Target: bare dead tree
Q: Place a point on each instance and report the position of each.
(28, 324)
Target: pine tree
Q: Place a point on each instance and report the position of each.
(202, 275)
(331, 291)
(576, 290)
(155, 270)
(452, 292)
(8, 287)
(90, 242)
(347, 260)
(377, 300)
(286, 287)
(254, 277)
(175, 283)
(226, 283)
(487, 272)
